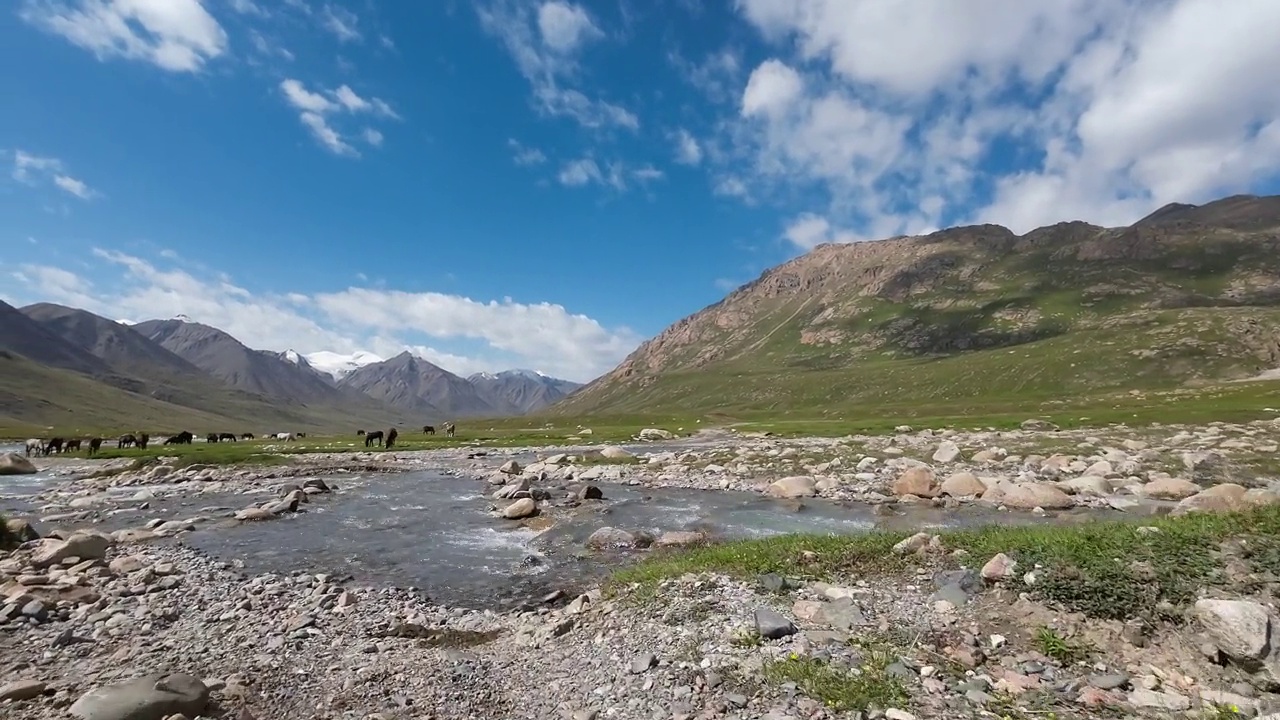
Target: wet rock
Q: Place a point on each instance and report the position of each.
(15, 464)
(963, 484)
(1029, 495)
(315, 484)
(150, 697)
(254, 513)
(610, 537)
(522, 508)
(1240, 629)
(918, 481)
(590, 492)
(771, 625)
(21, 529)
(509, 490)
(796, 486)
(680, 538)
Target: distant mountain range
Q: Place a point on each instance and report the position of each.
(67, 367)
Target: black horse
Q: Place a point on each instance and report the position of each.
(127, 440)
(359, 433)
(143, 439)
(72, 446)
(94, 444)
(211, 437)
(182, 438)
(429, 429)
(227, 437)
(391, 437)
(54, 445)
(373, 437)
(246, 436)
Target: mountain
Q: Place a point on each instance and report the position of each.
(418, 386)
(517, 392)
(339, 366)
(256, 371)
(28, 338)
(972, 319)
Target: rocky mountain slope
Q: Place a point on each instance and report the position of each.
(973, 317)
(418, 386)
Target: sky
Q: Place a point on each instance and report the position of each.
(544, 184)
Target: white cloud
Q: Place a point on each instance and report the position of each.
(565, 26)
(175, 35)
(315, 109)
(522, 155)
(342, 23)
(898, 117)
(688, 151)
(33, 169)
(248, 7)
(543, 44)
(265, 47)
(507, 333)
(617, 175)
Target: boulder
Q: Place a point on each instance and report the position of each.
(947, 452)
(796, 486)
(1029, 495)
(652, 434)
(1227, 497)
(315, 484)
(1240, 629)
(918, 481)
(19, 690)
(963, 484)
(590, 492)
(999, 567)
(15, 464)
(81, 544)
(510, 467)
(254, 513)
(613, 452)
(509, 490)
(1205, 466)
(522, 508)
(771, 625)
(611, 537)
(1095, 485)
(21, 530)
(1169, 489)
(150, 697)
(1258, 497)
(680, 538)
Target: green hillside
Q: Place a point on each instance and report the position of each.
(980, 321)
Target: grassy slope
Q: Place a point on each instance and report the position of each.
(38, 401)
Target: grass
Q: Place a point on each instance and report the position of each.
(1066, 650)
(1114, 569)
(868, 686)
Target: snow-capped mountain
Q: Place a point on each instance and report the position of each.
(521, 391)
(337, 365)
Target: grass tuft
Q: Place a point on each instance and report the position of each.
(1065, 650)
(1113, 569)
(869, 686)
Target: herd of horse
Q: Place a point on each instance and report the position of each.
(388, 439)
(140, 440)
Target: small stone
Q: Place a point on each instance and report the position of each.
(21, 690)
(896, 714)
(999, 567)
(1142, 697)
(643, 662)
(998, 641)
(771, 625)
(1110, 681)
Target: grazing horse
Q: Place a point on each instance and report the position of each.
(246, 436)
(391, 437)
(286, 436)
(182, 438)
(359, 433)
(371, 438)
(301, 434)
(448, 429)
(230, 437)
(94, 444)
(143, 439)
(429, 429)
(72, 445)
(54, 445)
(34, 444)
(211, 438)
(127, 440)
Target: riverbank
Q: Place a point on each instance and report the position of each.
(1091, 620)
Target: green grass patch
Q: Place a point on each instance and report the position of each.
(1113, 569)
(868, 686)
(1066, 650)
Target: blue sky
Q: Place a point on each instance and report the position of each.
(545, 184)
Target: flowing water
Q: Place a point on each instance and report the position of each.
(436, 532)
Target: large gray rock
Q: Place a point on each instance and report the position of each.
(1240, 629)
(1029, 495)
(611, 537)
(522, 508)
(15, 464)
(771, 625)
(81, 544)
(1169, 489)
(21, 530)
(150, 697)
(656, 434)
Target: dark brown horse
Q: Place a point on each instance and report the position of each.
(143, 439)
(392, 434)
(227, 437)
(126, 440)
(72, 446)
(359, 433)
(429, 429)
(54, 445)
(211, 438)
(94, 444)
(373, 437)
(246, 436)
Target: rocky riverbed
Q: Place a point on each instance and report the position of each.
(147, 586)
